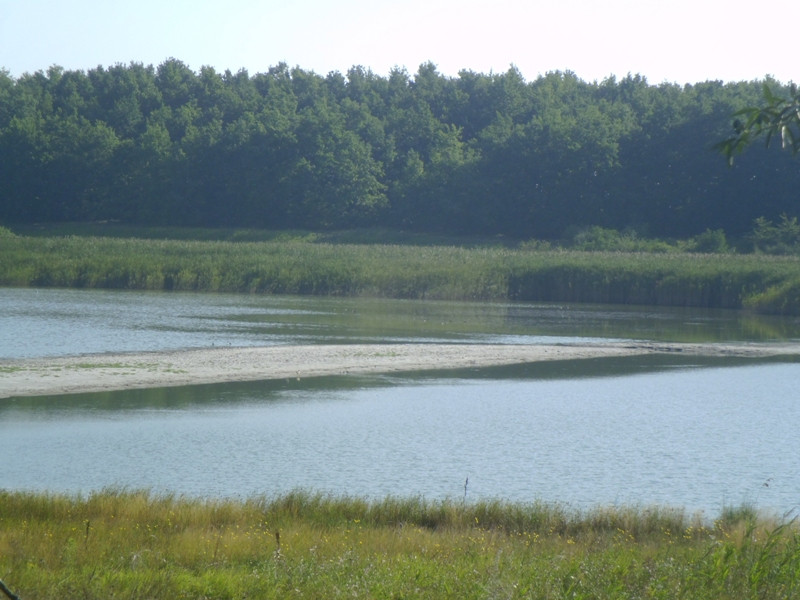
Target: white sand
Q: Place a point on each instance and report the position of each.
(102, 372)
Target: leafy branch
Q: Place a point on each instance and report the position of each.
(779, 116)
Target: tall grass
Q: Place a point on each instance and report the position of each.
(138, 545)
(298, 266)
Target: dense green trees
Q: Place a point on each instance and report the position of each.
(476, 153)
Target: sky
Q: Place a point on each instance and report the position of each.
(675, 41)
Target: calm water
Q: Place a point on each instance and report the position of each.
(57, 322)
(657, 430)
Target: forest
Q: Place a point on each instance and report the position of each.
(489, 154)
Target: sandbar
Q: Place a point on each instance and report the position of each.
(107, 372)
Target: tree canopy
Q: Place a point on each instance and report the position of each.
(477, 153)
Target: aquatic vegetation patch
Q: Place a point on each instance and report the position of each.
(762, 283)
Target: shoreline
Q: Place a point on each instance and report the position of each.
(121, 371)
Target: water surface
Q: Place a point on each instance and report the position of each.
(655, 432)
(693, 432)
(51, 322)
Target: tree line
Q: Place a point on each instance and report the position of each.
(472, 154)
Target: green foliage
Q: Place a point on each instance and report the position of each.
(782, 298)
(780, 238)
(135, 544)
(710, 241)
(306, 264)
(602, 239)
(777, 116)
(475, 154)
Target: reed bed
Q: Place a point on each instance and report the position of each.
(131, 544)
(768, 284)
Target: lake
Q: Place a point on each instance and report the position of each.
(667, 430)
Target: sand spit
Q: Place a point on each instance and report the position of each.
(104, 372)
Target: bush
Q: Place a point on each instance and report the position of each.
(783, 238)
(781, 299)
(601, 239)
(711, 242)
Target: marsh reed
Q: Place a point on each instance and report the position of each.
(303, 266)
(316, 546)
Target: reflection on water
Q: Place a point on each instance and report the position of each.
(686, 431)
(57, 322)
(636, 430)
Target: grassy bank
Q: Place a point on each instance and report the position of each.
(303, 265)
(137, 545)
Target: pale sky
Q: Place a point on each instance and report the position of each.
(678, 41)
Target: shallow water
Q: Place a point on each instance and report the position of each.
(50, 322)
(683, 431)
